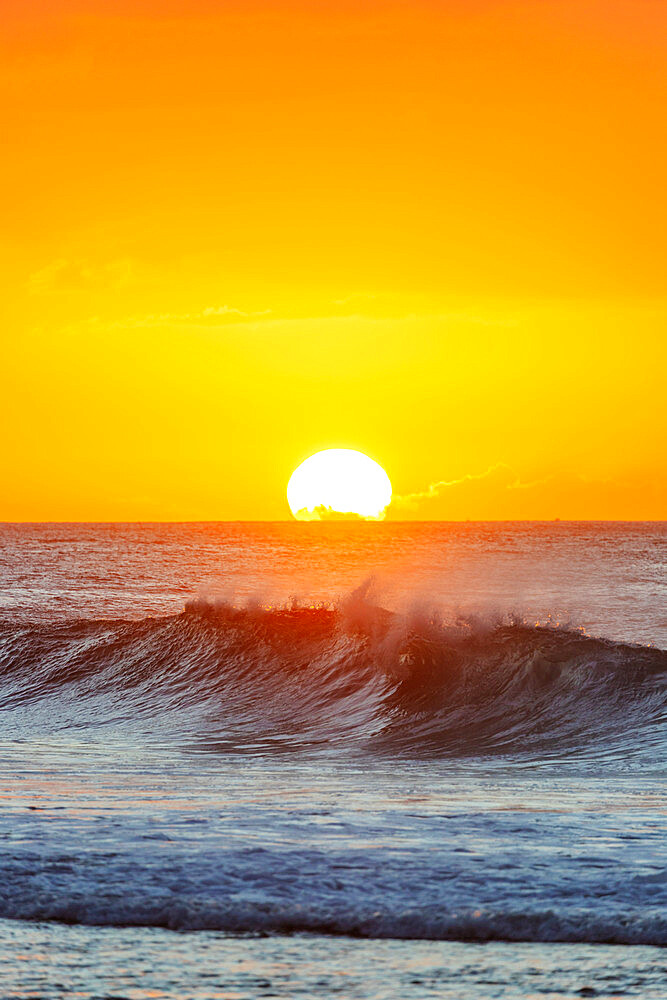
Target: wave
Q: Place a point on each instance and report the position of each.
(410, 923)
(258, 679)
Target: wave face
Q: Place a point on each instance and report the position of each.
(260, 680)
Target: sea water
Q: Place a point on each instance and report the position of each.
(340, 759)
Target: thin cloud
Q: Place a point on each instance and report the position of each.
(499, 471)
(66, 275)
(518, 485)
(210, 316)
(434, 490)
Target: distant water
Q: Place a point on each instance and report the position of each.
(339, 756)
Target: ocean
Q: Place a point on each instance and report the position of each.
(356, 760)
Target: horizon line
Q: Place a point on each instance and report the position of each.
(522, 520)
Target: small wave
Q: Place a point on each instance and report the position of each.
(410, 923)
(264, 679)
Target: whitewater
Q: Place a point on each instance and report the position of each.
(365, 760)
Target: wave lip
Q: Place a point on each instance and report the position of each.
(220, 678)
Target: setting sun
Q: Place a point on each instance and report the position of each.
(338, 483)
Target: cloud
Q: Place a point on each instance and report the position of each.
(324, 513)
(78, 275)
(362, 306)
(210, 316)
(531, 485)
(434, 490)
(500, 493)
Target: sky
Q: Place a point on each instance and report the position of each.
(237, 233)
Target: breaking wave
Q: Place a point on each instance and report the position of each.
(219, 678)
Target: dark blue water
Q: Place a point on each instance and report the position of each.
(469, 749)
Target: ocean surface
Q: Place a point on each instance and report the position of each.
(333, 760)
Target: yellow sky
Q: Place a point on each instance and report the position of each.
(239, 233)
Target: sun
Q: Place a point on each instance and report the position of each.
(338, 484)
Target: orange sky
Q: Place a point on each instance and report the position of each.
(235, 233)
